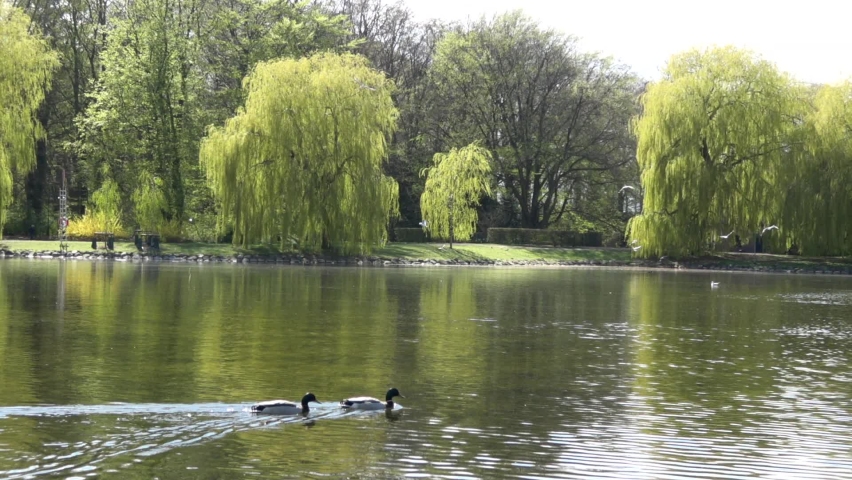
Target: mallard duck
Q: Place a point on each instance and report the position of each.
(370, 403)
(284, 407)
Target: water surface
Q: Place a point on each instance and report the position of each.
(146, 370)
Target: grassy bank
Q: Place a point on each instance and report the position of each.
(404, 251)
(222, 249)
(490, 253)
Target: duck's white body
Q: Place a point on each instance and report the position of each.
(285, 407)
(370, 403)
(277, 407)
(365, 403)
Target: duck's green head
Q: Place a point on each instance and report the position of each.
(309, 397)
(392, 393)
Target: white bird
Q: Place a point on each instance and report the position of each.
(714, 284)
(637, 248)
(771, 227)
(625, 188)
(634, 242)
(422, 223)
(284, 407)
(726, 236)
(442, 247)
(370, 403)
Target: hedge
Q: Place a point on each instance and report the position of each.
(410, 235)
(555, 238)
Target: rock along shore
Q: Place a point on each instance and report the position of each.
(374, 261)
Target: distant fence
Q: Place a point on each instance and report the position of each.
(555, 238)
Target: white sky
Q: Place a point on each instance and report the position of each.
(812, 40)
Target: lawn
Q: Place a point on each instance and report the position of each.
(493, 252)
(406, 251)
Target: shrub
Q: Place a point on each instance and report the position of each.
(84, 228)
(555, 238)
(410, 235)
(201, 228)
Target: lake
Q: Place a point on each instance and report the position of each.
(117, 370)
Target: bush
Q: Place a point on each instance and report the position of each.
(202, 228)
(410, 235)
(84, 228)
(555, 238)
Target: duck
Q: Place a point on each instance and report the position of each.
(284, 407)
(370, 403)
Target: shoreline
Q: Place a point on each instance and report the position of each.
(698, 264)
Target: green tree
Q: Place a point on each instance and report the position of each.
(453, 188)
(145, 116)
(241, 33)
(303, 159)
(389, 35)
(26, 67)
(105, 207)
(816, 189)
(170, 67)
(150, 203)
(713, 137)
(556, 120)
(76, 30)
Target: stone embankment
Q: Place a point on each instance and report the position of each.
(299, 259)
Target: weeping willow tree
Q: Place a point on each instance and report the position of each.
(150, 202)
(105, 207)
(303, 159)
(453, 187)
(26, 67)
(817, 188)
(713, 137)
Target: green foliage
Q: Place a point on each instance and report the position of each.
(201, 228)
(453, 188)
(85, 226)
(714, 135)
(103, 214)
(534, 236)
(817, 188)
(554, 119)
(150, 203)
(26, 67)
(303, 158)
(145, 117)
(106, 207)
(244, 32)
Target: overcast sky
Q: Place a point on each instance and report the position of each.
(811, 40)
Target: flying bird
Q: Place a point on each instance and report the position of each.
(625, 188)
(636, 248)
(714, 284)
(422, 223)
(726, 236)
(771, 227)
